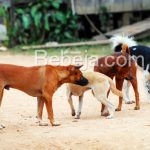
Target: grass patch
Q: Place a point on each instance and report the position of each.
(98, 50)
(80, 50)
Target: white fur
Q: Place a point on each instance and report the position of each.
(2, 126)
(126, 87)
(146, 82)
(118, 39)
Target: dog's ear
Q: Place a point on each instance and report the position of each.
(78, 66)
(73, 68)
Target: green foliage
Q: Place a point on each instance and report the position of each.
(2, 11)
(43, 21)
(103, 17)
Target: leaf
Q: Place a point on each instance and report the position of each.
(57, 31)
(26, 21)
(46, 4)
(68, 35)
(37, 19)
(46, 23)
(2, 11)
(16, 26)
(56, 4)
(20, 11)
(34, 10)
(61, 17)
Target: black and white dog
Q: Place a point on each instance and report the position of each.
(140, 53)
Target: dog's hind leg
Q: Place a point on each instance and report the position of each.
(119, 84)
(135, 87)
(79, 107)
(100, 93)
(107, 104)
(104, 109)
(40, 105)
(110, 107)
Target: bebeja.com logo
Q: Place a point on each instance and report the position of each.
(79, 58)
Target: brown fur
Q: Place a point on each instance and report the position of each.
(120, 73)
(38, 81)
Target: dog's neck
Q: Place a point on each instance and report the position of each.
(62, 76)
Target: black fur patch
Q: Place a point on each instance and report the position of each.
(83, 81)
(138, 50)
(118, 48)
(143, 51)
(7, 87)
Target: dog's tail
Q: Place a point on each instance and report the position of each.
(118, 41)
(0, 102)
(125, 49)
(114, 89)
(1, 96)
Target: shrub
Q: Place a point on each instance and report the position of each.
(42, 21)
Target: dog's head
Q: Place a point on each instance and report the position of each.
(71, 74)
(75, 75)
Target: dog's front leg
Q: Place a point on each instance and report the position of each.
(49, 108)
(79, 107)
(40, 105)
(73, 113)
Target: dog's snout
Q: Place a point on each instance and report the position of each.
(83, 81)
(81, 78)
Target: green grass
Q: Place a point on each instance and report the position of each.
(80, 50)
(145, 41)
(98, 50)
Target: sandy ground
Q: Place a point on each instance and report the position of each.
(129, 129)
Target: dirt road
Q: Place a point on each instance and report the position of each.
(129, 130)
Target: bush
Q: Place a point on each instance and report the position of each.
(42, 21)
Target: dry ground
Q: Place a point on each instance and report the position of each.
(129, 129)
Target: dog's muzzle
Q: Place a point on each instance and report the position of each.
(83, 81)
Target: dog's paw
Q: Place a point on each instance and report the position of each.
(105, 114)
(129, 102)
(77, 117)
(73, 113)
(56, 124)
(2, 126)
(118, 109)
(109, 117)
(43, 123)
(136, 107)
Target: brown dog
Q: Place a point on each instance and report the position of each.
(40, 82)
(127, 71)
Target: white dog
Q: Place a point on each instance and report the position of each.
(100, 84)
